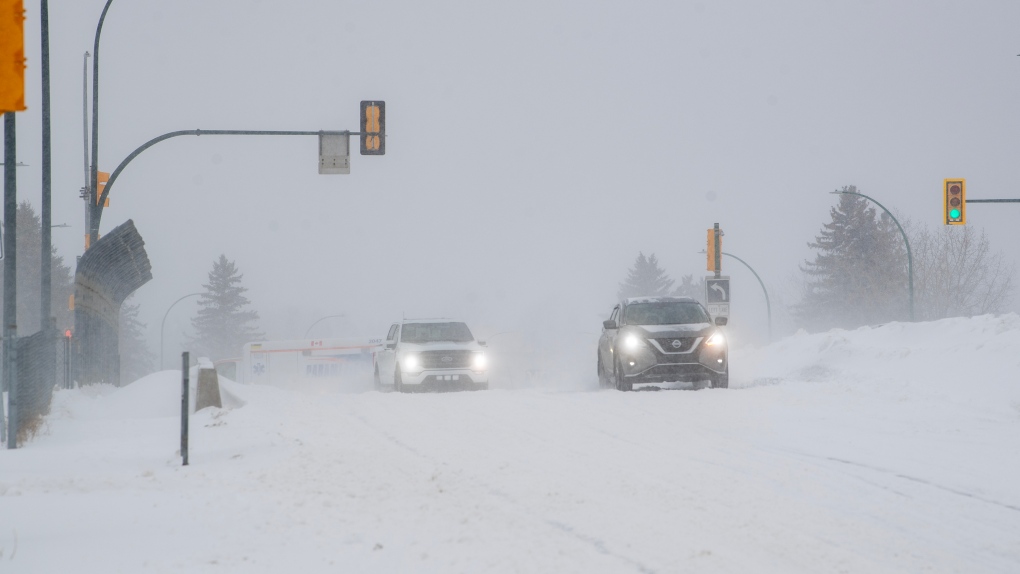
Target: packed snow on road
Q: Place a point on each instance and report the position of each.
(886, 449)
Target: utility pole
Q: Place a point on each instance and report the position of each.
(47, 211)
(10, 332)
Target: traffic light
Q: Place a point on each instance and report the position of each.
(712, 241)
(373, 128)
(954, 201)
(12, 56)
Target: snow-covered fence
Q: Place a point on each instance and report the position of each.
(39, 360)
(113, 268)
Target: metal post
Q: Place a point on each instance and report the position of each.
(768, 305)
(46, 208)
(10, 276)
(163, 324)
(718, 252)
(67, 363)
(85, 137)
(910, 258)
(185, 384)
(93, 180)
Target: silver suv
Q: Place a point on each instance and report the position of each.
(659, 340)
(431, 354)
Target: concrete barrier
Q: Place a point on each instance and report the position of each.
(208, 390)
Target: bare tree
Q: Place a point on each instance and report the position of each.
(957, 274)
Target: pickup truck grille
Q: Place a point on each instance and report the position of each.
(446, 359)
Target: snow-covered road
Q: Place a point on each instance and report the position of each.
(876, 450)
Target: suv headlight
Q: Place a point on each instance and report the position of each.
(479, 362)
(716, 340)
(632, 342)
(411, 363)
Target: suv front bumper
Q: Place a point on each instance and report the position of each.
(646, 365)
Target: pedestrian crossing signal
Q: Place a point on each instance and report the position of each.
(373, 128)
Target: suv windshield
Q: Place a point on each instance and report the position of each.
(665, 313)
(432, 332)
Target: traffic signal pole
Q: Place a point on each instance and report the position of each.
(717, 251)
(910, 258)
(96, 204)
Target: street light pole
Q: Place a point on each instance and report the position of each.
(94, 174)
(768, 305)
(308, 330)
(97, 210)
(163, 324)
(910, 258)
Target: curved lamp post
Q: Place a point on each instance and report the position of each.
(910, 258)
(768, 305)
(321, 319)
(163, 324)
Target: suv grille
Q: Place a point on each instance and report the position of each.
(676, 344)
(446, 359)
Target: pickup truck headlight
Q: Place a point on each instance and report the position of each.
(479, 362)
(411, 363)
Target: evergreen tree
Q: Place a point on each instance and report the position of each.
(136, 358)
(688, 287)
(224, 324)
(645, 279)
(29, 239)
(859, 275)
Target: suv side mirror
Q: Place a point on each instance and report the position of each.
(721, 321)
(609, 324)
(481, 343)
(390, 345)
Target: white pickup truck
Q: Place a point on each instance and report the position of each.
(431, 354)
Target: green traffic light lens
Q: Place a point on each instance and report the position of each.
(954, 214)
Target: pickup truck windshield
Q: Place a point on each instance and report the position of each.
(435, 332)
(665, 313)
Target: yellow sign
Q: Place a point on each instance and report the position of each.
(12, 56)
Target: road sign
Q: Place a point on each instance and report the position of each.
(334, 153)
(717, 290)
(717, 296)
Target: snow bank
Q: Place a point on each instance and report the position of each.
(972, 361)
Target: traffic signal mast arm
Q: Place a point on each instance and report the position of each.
(97, 208)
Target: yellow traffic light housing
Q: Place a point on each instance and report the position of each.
(954, 201)
(712, 259)
(101, 178)
(373, 128)
(12, 56)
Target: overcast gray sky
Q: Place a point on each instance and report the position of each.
(535, 147)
